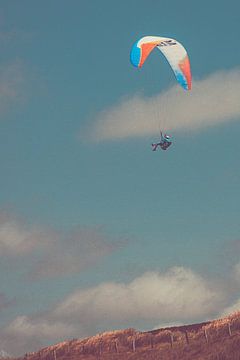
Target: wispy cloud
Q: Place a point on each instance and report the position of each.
(13, 85)
(4, 301)
(7, 37)
(237, 272)
(25, 334)
(12, 34)
(235, 303)
(17, 238)
(154, 298)
(231, 309)
(74, 252)
(55, 253)
(211, 101)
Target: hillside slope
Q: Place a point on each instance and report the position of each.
(215, 340)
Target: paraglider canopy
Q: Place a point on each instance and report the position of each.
(173, 51)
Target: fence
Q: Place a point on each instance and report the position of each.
(134, 342)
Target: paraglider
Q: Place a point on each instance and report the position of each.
(164, 143)
(178, 59)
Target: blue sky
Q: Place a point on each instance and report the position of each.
(90, 218)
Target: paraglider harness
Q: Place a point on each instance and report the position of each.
(164, 143)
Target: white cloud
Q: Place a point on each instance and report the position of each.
(25, 334)
(25, 327)
(211, 101)
(176, 296)
(231, 309)
(235, 306)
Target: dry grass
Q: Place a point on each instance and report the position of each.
(216, 340)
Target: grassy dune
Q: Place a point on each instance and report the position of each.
(215, 340)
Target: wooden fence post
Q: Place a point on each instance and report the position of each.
(116, 345)
(134, 344)
(100, 347)
(229, 329)
(171, 340)
(187, 338)
(54, 354)
(206, 335)
(151, 341)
